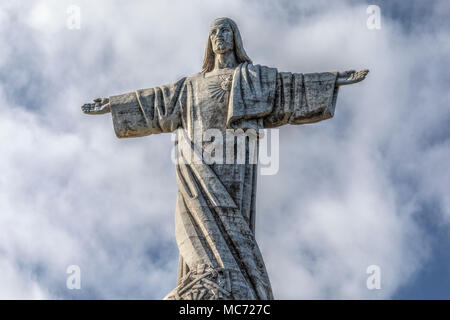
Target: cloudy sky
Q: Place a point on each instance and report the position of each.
(368, 187)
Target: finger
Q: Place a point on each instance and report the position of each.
(346, 74)
(363, 75)
(86, 107)
(364, 72)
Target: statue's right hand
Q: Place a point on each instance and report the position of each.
(99, 106)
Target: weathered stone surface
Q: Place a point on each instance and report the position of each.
(215, 213)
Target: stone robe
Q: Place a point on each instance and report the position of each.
(215, 212)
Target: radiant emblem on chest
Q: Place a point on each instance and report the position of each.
(218, 88)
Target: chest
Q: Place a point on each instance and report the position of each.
(211, 94)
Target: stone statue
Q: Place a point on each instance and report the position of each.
(215, 211)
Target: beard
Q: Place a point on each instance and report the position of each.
(223, 47)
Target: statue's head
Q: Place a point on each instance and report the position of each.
(223, 37)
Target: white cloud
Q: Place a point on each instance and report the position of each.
(346, 193)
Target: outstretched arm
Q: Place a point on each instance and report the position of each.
(100, 106)
(350, 77)
(144, 111)
(308, 98)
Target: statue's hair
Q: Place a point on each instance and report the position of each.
(241, 55)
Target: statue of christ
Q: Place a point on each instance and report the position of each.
(215, 210)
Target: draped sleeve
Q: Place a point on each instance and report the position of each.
(302, 98)
(148, 111)
(262, 97)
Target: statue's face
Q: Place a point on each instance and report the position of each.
(221, 36)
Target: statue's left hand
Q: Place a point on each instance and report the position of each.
(100, 106)
(350, 77)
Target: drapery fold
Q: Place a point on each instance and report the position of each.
(148, 111)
